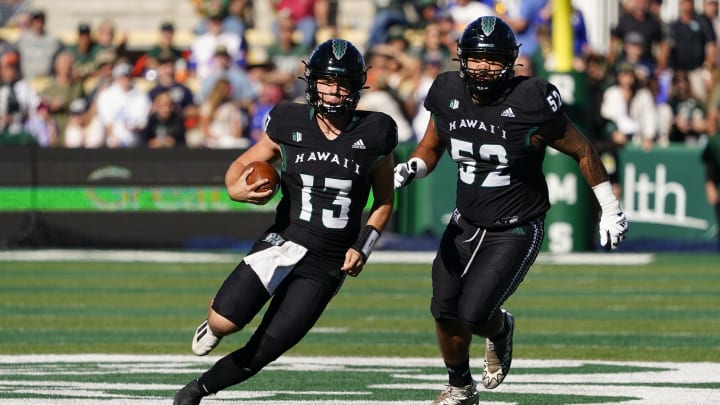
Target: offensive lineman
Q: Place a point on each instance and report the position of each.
(495, 127)
(332, 156)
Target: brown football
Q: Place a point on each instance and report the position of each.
(264, 170)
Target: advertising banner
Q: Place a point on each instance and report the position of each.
(664, 197)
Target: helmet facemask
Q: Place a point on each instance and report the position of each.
(347, 102)
(484, 82)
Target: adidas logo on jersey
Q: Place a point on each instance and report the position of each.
(359, 144)
(508, 113)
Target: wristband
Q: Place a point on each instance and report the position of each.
(605, 197)
(366, 241)
(419, 166)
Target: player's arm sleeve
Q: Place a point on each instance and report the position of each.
(548, 104)
(431, 102)
(270, 126)
(391, 136)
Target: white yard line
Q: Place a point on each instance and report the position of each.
(646, 386)
(381, 256)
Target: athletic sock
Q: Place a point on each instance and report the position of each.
(224, 373)
(459, 374)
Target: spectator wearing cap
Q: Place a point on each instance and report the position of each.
(244, 91)
(633, 45)
(181, 96)
(122, 109)
(17, 97)
(37, 48)
(64, 87)
(75, 134)
(639, 18)
(202, 49)
(84, 51)
(164, 48)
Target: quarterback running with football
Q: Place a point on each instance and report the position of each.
(496, 127)
(332, 156)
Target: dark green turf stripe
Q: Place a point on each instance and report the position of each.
(660, 310)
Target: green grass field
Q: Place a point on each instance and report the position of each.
(590, 319)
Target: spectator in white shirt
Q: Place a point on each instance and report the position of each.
(17, 98)
(631, 109)
(463, 12)
(203, 47)
(123, 109)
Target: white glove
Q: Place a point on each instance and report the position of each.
(613, 223)
(613, 228)
(409, 171)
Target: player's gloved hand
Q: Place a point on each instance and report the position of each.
(613, 227)
(408, 171)
(613, 224)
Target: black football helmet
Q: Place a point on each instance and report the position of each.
(332, 59)
(493, 38)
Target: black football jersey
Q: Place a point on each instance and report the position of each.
(500, 180)
(325, 183)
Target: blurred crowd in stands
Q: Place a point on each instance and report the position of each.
(656, 84)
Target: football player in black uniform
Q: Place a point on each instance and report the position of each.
(711, 160)
(332, 156)
(495, 127)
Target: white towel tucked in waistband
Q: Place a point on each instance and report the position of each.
(273, 264)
